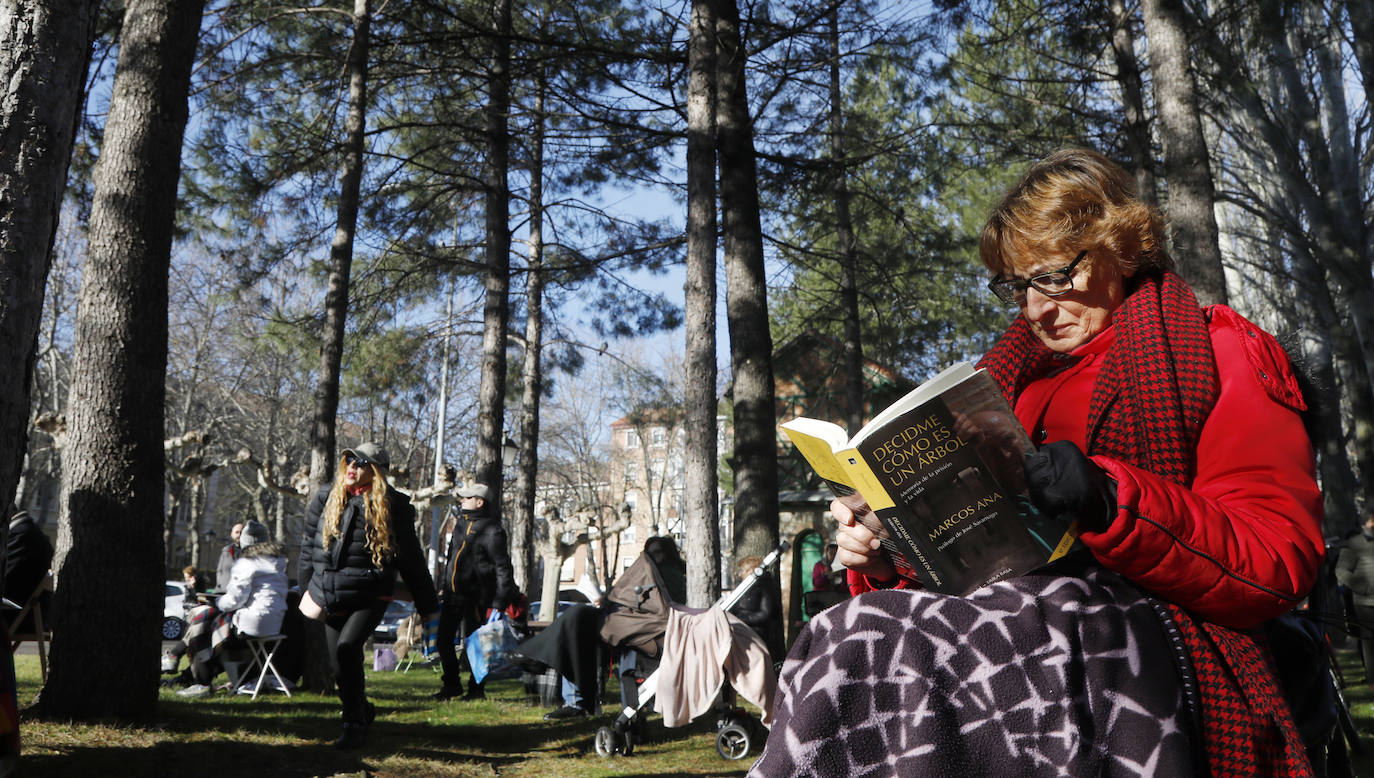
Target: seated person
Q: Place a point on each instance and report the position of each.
(572, 643)
(195, 584)
(828, 586)
(761, 607)
(1173, 435)
(28, 555)
(254, 605)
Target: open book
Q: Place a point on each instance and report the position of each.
(941, 470)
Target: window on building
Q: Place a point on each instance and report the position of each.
(627, 536)
(631, 438)
(658, 436)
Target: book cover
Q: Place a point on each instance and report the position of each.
(941, 471)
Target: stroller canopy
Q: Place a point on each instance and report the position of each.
(638, 608)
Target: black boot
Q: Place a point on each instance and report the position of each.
(448, 693)
(354, 736)
(475, 692)
(355, 727)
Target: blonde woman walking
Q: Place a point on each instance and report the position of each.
(359, 532)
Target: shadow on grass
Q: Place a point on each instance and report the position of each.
(226, 735)
(495, 748)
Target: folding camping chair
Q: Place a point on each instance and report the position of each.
(38, 631)
(264, 649)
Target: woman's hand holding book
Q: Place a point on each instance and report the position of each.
(859, 547)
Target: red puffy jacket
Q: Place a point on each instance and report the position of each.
(1241, 543)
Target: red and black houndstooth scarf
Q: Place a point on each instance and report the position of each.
(1156, 387)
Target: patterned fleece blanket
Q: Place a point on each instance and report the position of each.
(1039, 675)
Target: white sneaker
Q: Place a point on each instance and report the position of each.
(196, 690)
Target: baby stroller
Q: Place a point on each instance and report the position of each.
(639, 623)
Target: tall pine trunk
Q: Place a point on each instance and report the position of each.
(1339, 487)
(521, 524)
(755, 457)
(1128, 79)
(496, 311)
(844, 237)
(44, 51)
(112, 479)
(322, 432)
(316, 675)
(1187, 165)
(1362, 42)
(1335, 224)
(702, 551)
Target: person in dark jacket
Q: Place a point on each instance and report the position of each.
(28, 555)
(476, 575)
(227, 556)
(1355, 571)
(359, 532)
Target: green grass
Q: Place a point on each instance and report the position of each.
(413, 736)
(1360, 697)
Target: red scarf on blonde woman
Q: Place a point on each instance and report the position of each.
(1157, 386)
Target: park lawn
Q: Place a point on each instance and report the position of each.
(413, 736)
(273, 736)
(1360, 697)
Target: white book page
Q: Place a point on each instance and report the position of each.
(950, 376)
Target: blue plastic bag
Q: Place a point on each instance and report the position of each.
(488, 646)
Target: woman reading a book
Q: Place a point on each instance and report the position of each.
(1172, 434)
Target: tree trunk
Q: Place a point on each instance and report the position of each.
(112, 480)
(44, 51)
(175, 492)
(746, 301)
(844, 237)
(496, 311)
(1340, 515)
(1187, 165)
(316, 675)
(1128, 79)
(1362, 42)
(1335, 227)
(322, 432)
(702, 544)
(532, 371)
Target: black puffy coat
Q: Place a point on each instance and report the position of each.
(343, 577)
(477, 567)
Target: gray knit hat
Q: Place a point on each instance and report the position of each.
(254, 531)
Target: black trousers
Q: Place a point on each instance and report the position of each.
(1364, 630)
(457, 618)
(345, 635)
(205, 672)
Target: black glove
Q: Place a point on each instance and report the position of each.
(1065, 483)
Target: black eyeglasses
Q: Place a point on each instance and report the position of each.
(1051, 284)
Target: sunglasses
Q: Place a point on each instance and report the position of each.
(349, 459)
